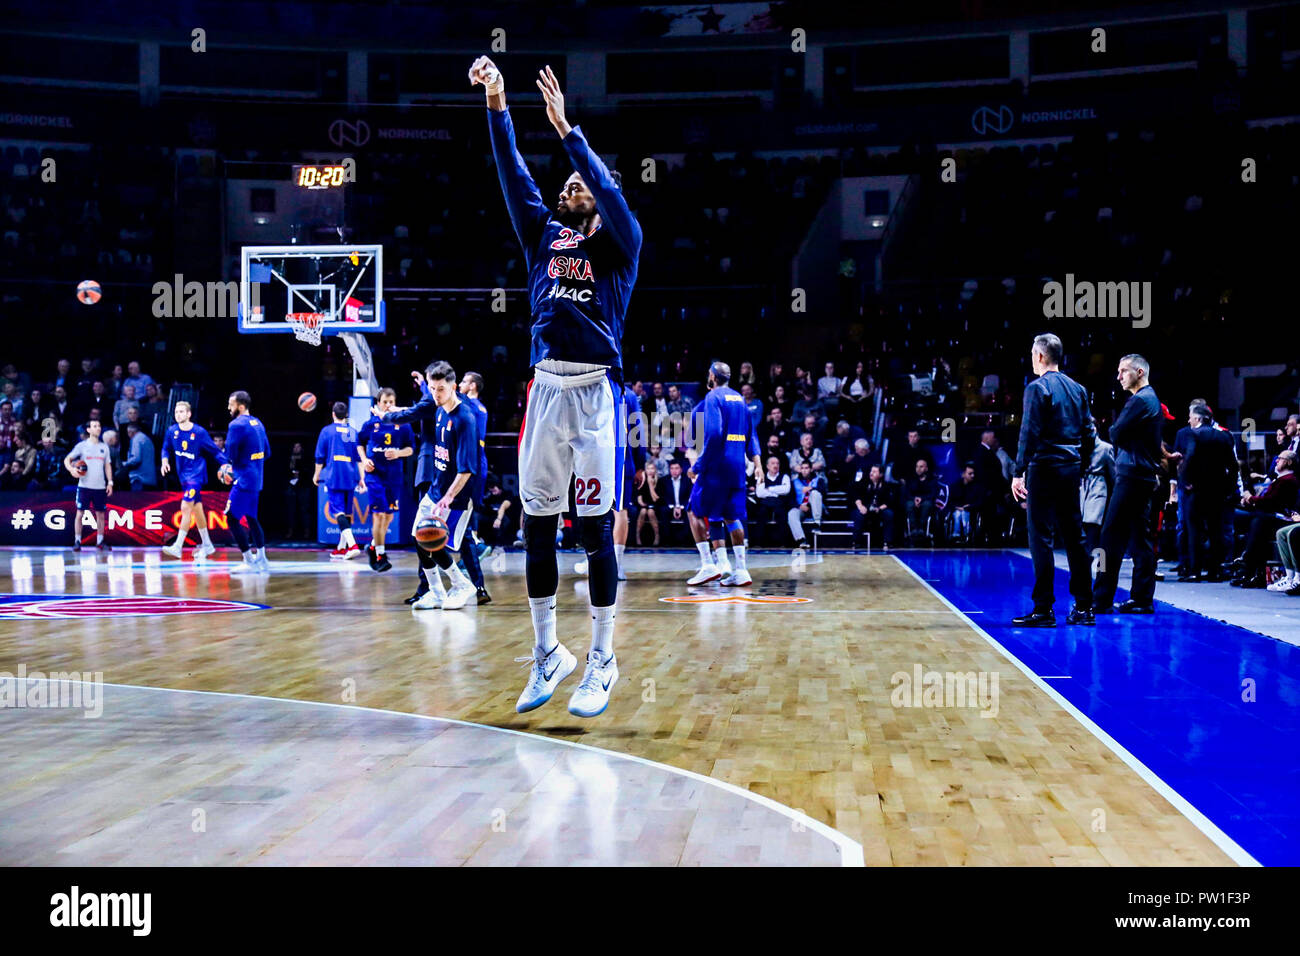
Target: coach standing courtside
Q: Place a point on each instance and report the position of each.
(1136, 437)
(1057, 436)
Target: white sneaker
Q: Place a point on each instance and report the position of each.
(558, 664)
(737, 579)
(459, 596)
(705, 575)
(247, 566)
(580, 567)
(174, 550)
(1282, 584)
(720, 559)
(204, 551)
(263, 561)
(621, 575)
(432, 600)
(592, 696)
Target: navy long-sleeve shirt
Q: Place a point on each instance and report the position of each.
(1136, 435)
(1057, 430)
(578, 285)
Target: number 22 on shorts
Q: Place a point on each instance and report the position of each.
(591, 488)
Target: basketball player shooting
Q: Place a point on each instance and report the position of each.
(582, 256)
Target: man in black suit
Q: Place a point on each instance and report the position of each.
(1138, 460)
(1208, 474)
(676, 492)
(1057, 435)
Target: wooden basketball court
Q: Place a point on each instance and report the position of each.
(773, 728)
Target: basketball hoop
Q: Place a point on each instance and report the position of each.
(307, 326)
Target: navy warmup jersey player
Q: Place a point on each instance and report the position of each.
(725, 432)
(338, 467)
(191, 446)
(248, 448)
(582, 254)
(471, 387)
(382, 446)
(454, 487)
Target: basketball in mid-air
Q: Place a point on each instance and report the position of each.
(89, 292)
(307, 401)
(431, 534)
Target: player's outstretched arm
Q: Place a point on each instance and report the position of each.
(528, 213)
(615, 214)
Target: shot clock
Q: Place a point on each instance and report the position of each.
(319, 177)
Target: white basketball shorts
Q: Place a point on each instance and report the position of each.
(574, 430)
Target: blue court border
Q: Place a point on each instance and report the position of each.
(1167, 688)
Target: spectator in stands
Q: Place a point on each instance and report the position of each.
(49, 474)
(109, 438)
(905, 458)
(752, 403)
(775, 424)
(17, 402)
(61, 405)
(677, 495)
(655, 405)
(153, 408)
(679, 404)
(98, 401)
(137, 378)
(128, 400)
(661, 459)
(115, 383)
(63, 376)
(140, 467)
(809, 492)
(807, 453)
(21, 381)
(1098, 483)
(828, 388)
(220, 441)
(11, 477)
(779, 399)
(24, 458)
(809, 404)
(1263, 511)
(10, 428)
(36, 410)
(842, 449)
(922, 497)
(1288, 551)
(82, 391)
(649, 496)
(746, 377)
(857, 391)
(776, 378)
(499, 516)
(1288, 436)
(965, 501)
(812, 425)
(873, 506)
(771, 492)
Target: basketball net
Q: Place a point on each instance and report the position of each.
(307, 326)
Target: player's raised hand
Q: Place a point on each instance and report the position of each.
(484, 71)
(550, 87)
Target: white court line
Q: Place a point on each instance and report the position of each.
(850, 850)
(1197, 818)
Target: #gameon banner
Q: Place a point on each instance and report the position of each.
(134, 518)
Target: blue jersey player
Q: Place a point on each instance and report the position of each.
(582, 253)
(454, 488)
(471, 387)
(191, 446)
(382, 446)
(247, 447)
(338, 466)
(724, 432)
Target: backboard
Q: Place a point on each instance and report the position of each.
(343, 284)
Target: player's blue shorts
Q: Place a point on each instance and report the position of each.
(91, 499)
(385, 492)
(242, 503)
(340, 502)
(717, 503)
(190, 491)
